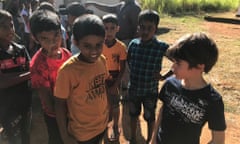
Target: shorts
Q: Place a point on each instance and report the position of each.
(19, 133)
(95, 140)
(149, 103)
(54, 136)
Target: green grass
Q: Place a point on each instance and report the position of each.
(190, 6)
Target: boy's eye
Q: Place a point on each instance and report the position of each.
(43, 39)
(87, 46)
(91, 47)
(143, 27)
(51, 38)
(112, 28)
(58, 34)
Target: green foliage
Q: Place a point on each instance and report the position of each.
(192, 6)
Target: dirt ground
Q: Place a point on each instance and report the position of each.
(39, 133)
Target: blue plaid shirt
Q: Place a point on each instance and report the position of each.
(145, 60)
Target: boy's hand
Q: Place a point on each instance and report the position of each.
(152, 142)
(113, 90)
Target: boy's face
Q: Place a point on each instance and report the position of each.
(111, 29)
(50, 41)
(90, 47)
(182, 70)
(7, 30)
(147, 30)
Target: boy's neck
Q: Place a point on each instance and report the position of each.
(194, 84)
(147, 41)
(110, 43)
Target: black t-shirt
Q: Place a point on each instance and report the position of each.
(186, 111)
(14, 100)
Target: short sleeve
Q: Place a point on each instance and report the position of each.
(216, 118)
(123, 52)
(62, 85)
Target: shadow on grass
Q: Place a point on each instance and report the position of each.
(162, 30)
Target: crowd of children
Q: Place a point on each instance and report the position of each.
(79, 91)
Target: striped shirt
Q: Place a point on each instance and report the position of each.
(145, 60)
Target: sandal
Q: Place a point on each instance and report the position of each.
(113, 134)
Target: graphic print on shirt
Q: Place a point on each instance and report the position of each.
(115, 58)
(96, 88)
(13, 59)
(191, 112)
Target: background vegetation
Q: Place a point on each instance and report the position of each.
(192, 6)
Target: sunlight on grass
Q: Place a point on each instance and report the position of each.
(195, 6)
(225, 74)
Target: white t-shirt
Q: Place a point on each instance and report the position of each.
(24, 12)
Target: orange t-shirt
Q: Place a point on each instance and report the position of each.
(114, 54)
(83, 86)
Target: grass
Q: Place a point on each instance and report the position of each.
(225, 74)
(193, 6)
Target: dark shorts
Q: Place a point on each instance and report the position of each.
(54, 136)
(95, 140)
(19, 131)
(149, 103)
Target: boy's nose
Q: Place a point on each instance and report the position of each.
(53, 41)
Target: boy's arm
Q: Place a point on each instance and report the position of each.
(46, 95)
(122, 69)
(61, 117)
(114, 89)
(218, 137)
(167, 74)
(156, 128)
(11, 79)
(104, 7)
(163, 77)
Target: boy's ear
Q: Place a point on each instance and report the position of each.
(118, 27)
(201, 67)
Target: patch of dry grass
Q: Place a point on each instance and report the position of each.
(226, 73)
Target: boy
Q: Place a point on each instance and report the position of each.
(74, 10)
(115, 53)
(15, 92)
(25, 14)
(46, 29)
(80, 95)
(50, 7)
(144, 59)
(127, 12)
(188, 100)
